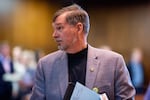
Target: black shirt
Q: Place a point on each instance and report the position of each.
(77, 66)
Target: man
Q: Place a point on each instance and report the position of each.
(6, 67)
(78, 61)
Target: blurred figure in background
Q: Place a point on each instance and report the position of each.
(6, 68)
(39, 53)
(136, 70)
(24, 67)
(26, 82)
(17, 59)
(106, 47)
(19, 69)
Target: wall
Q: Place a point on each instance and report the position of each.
(120, 27)
(29, 26)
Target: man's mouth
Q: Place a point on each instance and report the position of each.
(58, 41)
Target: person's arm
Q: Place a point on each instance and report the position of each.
(124, 89)
(38, 92)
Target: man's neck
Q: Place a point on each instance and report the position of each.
(77, 49)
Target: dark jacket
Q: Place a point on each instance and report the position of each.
(5, 86)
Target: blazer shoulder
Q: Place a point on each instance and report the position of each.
(52, 56)
(107, 53)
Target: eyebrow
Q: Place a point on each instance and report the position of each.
(56, 24)
(59, 24)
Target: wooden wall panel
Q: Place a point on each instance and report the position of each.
(32, 26)
(121, 28)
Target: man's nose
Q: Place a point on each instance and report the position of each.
(55, 34)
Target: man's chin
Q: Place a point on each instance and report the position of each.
(61, 48)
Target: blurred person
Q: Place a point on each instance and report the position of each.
(26, 81)
(77, 61)
(17, 59)
(136, 70)
(24, 67)
(19, 70)
(6, 68)
(39, 54)
(106, 47)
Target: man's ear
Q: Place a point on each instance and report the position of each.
(79, 27)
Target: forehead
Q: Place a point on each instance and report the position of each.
(61, 19)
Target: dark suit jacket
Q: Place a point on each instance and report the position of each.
(109, 74)
(131, 69)
(5, 87)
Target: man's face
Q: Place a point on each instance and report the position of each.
(5, 50)
(64, 34)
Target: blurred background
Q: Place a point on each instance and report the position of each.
(121, 25)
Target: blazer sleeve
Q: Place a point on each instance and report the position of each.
(123, 86)
(38, 90)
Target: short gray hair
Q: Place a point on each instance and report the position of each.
(75, 14)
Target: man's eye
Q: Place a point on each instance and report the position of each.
(59, 28)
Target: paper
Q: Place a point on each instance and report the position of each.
(103, 96)
(83, 93)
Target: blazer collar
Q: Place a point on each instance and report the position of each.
(63, 73)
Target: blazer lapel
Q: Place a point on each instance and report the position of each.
(63, 74)
(92, 67)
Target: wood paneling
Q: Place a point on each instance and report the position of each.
(122, 28)
(32, 26)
